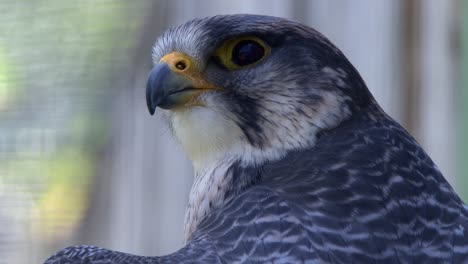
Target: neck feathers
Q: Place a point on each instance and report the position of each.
(214, 187)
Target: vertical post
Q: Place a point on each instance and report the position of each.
(438, 71)
(463, 116)
(410, 66)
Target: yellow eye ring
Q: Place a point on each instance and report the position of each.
(242, 52)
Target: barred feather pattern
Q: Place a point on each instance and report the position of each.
(365, 193)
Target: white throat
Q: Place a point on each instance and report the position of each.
(206, 136)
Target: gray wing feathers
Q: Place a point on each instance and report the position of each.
(198, 251)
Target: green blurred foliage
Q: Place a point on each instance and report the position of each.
(8, 81)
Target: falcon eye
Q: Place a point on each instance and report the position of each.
(240, 52)
(246, 52)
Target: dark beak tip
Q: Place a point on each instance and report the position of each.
(149, 104)
(149, 93)
(151, 111)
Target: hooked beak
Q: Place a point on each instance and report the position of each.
(175, 82)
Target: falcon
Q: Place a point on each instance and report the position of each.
(295, 162)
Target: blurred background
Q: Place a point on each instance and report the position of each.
(82, 161)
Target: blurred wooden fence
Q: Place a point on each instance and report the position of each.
(68, 62)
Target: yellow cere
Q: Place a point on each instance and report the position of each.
(183, 64)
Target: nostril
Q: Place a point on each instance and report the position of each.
(181, 65)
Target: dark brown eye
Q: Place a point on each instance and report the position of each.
(247, 52)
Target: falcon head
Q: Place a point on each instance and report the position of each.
(249, 86)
